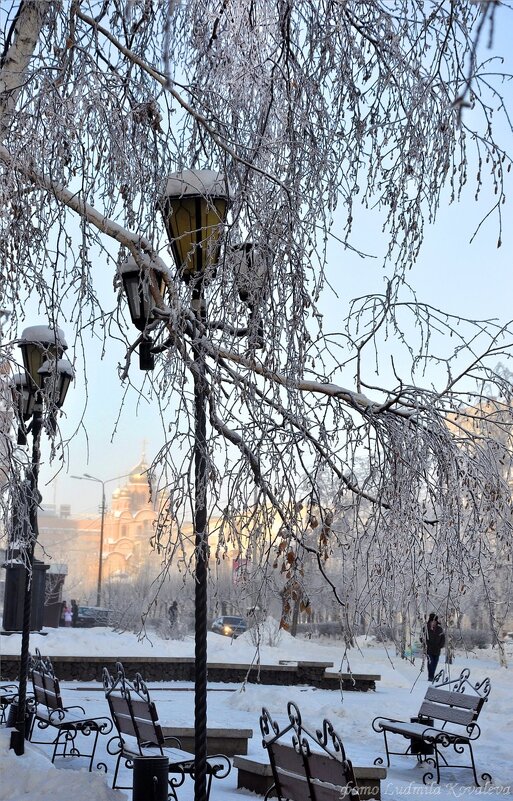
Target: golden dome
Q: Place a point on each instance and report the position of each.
(139, 474)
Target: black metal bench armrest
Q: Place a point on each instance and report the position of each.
(60, 718)
(377, 723)
(8, 688)
(219, 765)
(170, 740)
(445, 737)
(69, 708)
(9, 698)
(103, 725)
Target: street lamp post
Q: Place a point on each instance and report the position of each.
(194, 207)
(88, 477)
(38, 396)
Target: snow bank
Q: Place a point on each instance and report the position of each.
(32, 777)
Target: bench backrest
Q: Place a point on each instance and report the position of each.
(311, 776)
(133, 712)
(456, 702)
(304, 767)
(47, 691)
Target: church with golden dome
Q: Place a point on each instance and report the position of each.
(128, 526)
(74, 543)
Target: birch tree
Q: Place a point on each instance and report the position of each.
(314, 111)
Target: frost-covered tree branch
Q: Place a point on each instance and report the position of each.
(317, 113)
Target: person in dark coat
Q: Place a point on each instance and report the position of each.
(172, 614)
(434, 641)
(74, 612)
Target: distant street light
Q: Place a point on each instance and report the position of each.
(37, 397)
(88, 477)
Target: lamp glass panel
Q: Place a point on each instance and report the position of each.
(195, 226)
(35, 354)
(23, 397)
(64, 381)
(132, 291)
(57, 376)
(183, 231)
(140, 301)
(39, 350)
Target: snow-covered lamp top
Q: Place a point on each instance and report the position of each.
(37, 344)
(195, 204)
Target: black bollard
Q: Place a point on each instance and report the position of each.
(150, 778)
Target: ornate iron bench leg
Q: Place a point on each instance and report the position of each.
(386, 747)
(434, 762)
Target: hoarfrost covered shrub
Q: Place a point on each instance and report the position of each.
(267, 632)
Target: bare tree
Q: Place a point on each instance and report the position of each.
(309, 109)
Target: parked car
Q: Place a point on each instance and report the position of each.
(89, 616)
(229, 625)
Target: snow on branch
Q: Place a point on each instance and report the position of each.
(379, 440)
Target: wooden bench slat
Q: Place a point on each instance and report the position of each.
(464, 700)
(327, 769)
(148, 731)
(287, 758)
(449, 714)
(125, 724)
(143, 709)
(293, 786)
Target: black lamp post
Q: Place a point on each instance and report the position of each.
(194, 205)
(38, 395)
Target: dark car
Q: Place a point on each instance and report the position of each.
(89, 616)
(229, 625)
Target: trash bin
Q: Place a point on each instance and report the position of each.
(418, 746)
(12, 717)
(14, 596)
(150, 778)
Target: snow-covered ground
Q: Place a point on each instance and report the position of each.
(399, 693)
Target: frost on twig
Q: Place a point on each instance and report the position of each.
(385, 467)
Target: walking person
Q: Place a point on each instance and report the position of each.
(172, 613)
(434, 641)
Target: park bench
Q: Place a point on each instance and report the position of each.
(139, 733)
(67, 721)
(311, 767)
(254, 773)
(8, 696)
(447, 718)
